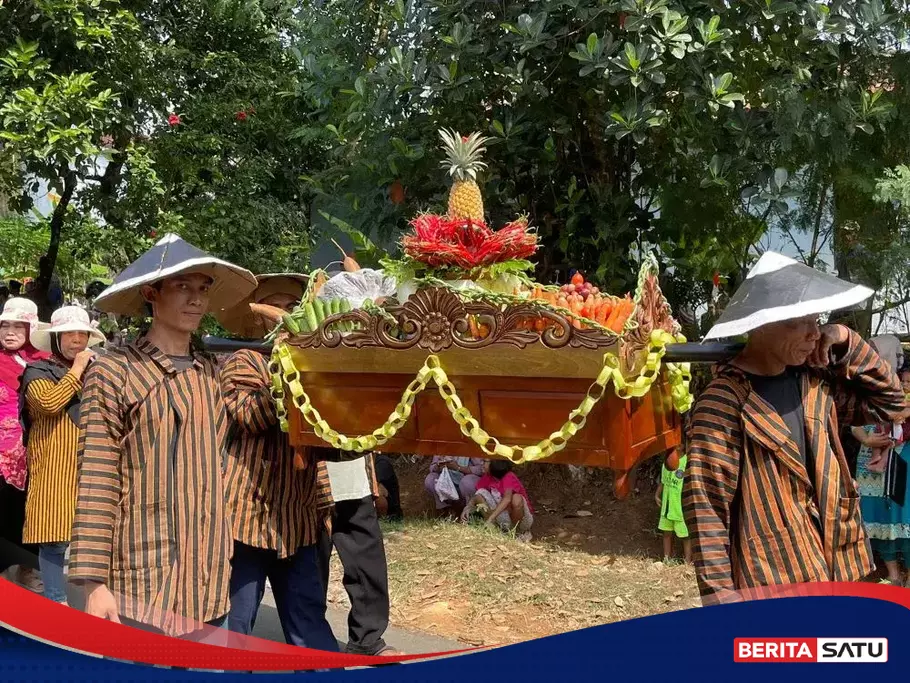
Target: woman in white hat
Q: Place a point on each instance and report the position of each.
(49, 408)
(18, 322)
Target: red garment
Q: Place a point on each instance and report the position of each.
(11, 369)
(12, 453)
(510, 481)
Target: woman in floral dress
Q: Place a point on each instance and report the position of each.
(18, 320)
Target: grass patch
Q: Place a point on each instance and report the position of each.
(482, 587)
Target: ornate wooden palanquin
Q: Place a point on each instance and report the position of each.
(519, 384)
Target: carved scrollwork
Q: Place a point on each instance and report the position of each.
(436, 318)
(652, 313)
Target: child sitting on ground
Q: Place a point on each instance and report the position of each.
(669, 498)
(505, 499)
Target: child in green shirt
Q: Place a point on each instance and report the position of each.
(669, 498)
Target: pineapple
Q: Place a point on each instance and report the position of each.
(463, 162)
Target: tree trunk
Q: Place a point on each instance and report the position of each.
(48, 262)
(845, 246)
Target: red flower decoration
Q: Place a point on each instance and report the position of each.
(173, 120)
(153, 234)
(716, 279)
(463, 243)
(241, 115)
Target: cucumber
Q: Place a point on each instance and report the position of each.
(291, 324)
(330, 309)
(312, 321)
(346, 308)
(300, 318)
(319, 308)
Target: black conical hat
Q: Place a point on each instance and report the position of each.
(779, 288)
(172, 256)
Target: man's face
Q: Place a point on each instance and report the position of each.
(790, 342)
(286, 302)
(180, 302)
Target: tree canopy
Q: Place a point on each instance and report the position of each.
(701, 130)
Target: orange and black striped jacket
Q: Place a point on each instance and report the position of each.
(757, 516)
(53, 441)
(271, 504)
(150, 514)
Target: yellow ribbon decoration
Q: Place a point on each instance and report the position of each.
(285, 373)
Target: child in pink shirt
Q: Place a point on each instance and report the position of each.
(504, 498)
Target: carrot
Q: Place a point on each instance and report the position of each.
(604, 312)
(614, 315)
(271, 313)
(631, 310)
(625, 309)
(350, 265)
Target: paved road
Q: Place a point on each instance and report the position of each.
(411, 642)
(269, 627)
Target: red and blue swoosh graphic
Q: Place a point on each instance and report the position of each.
(47, 641)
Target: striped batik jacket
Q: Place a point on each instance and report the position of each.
(758, 517)
(272, 504)
(53, 441)
(150, 515)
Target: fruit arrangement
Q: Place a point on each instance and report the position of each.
(459, 251)
(461, 239)
(584, 300)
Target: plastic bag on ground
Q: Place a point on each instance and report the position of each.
(445, 487)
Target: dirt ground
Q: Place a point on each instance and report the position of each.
(482, 587)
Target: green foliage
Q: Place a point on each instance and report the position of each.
(701, 129)
(698, 129)
(20, 248)
(87, 89)
(894, 186)
(578, 124)
(53, 106)
(82, 259)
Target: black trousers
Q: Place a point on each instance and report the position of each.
(12, 519)
(357, 538)
(385, 474)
